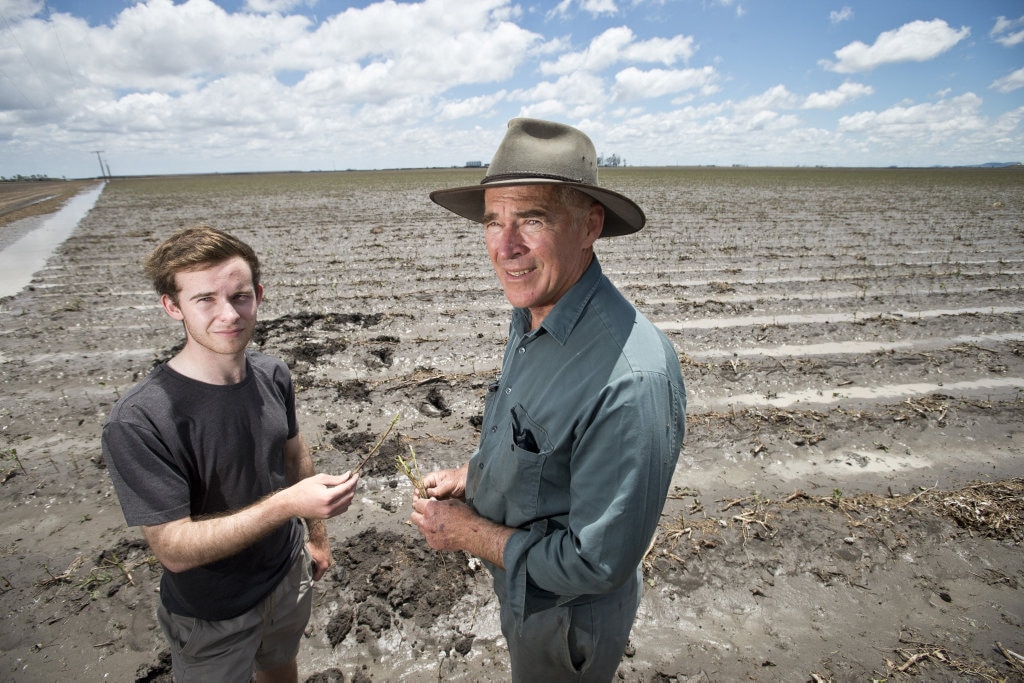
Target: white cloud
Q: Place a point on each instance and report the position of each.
(16, 10)
(276, 6)
(471, 107)
(561, 9)
(593, 7)
(917, 41)
(776, 97)
(834, 99)
(598, 7)
(1008, 32)
(839, 16)
(186, 86)
(166, 80)
(569, 97)
(1009, 82)
(634, 84)
(619, 45)
(948, 131)
(915, 121)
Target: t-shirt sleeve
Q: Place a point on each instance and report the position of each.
(151, 488)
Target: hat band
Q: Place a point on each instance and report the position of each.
(524, 176)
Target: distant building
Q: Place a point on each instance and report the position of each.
(474, 164)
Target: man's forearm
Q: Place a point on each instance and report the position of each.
(298, 466)
(189, 543)
(317, 529)
(487, 540)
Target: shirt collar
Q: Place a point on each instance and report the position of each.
(559, 323)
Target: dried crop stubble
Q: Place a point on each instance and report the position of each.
(810, 286)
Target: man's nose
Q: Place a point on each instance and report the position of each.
(229, 311)
(508, 242)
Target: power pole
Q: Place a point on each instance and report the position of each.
(98, 152)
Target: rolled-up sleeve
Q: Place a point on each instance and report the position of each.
(620, 470)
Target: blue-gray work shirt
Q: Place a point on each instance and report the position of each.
(580, 438)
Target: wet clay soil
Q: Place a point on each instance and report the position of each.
(847, 506)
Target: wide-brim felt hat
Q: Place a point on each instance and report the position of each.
(544, 152)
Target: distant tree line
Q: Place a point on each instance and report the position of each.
(23, 178)
(613, 160)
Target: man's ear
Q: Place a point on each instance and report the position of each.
(171, 307)
(259, 294)
(595, 223)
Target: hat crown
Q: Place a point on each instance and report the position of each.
(545, 150)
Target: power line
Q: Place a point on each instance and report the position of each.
(24, 54)
(53, 25)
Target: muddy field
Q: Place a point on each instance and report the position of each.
(848, 503)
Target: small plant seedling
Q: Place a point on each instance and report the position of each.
(411, 469)
(376, 446)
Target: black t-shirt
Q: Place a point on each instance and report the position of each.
(176, 447)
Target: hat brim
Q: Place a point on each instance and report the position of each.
(622, 215)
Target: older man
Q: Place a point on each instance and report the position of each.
(582, 428)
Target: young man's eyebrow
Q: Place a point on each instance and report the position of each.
(242, 290)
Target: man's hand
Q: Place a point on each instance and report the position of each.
(445, 484)
(452, 525)
(440, 521)
(321, 496)
(321, 555)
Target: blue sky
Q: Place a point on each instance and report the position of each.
(262, 85)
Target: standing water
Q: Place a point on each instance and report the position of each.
(29, 254)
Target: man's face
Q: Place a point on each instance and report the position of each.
(217, 305)
(536, 252)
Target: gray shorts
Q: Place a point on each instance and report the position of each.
(265, 637)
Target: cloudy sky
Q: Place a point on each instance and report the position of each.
(166, 86)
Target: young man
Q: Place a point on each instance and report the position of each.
(582, 430)
(206, 456)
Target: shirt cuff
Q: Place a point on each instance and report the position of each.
(515, 556)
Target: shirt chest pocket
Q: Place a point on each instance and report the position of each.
(516, 474)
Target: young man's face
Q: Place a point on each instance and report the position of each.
(536, 252)
(217, 305)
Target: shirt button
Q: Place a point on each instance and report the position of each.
(508, 390)
(522, 349)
